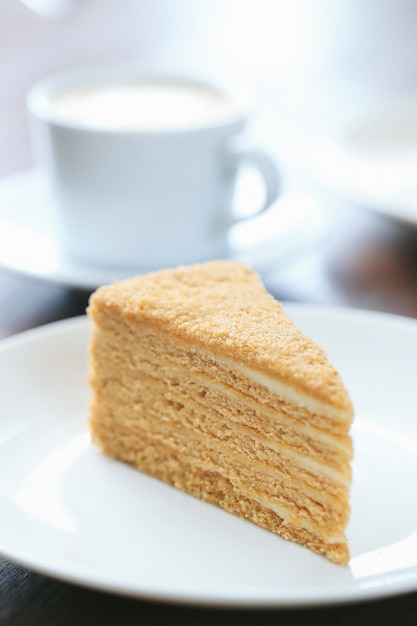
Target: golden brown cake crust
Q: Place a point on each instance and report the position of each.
(223, 306)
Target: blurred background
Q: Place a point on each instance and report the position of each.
(312, 62)
(336, 86)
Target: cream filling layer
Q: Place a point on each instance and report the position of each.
(285, 391)
(311, 465)
(302, 460)
(312, 433)
(289, 518)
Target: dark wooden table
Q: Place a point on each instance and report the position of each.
(367, 261)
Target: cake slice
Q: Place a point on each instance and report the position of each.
(200, 379)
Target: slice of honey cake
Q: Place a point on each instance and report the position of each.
(200, 379)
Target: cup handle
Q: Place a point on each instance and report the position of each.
(267, 168)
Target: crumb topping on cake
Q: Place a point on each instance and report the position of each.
(223, 305)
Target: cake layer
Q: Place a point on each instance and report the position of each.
(197, 420)
(251, 476)
(217, 401)
(271, 416)
(165, 461)
(183, 410)
(200, 379)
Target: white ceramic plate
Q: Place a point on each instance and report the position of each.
(29, 241)
(67, 511)
(370, 157)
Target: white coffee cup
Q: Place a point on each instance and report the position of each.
(143, 168)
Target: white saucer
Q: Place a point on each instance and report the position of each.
(370, 157)
(71, 513)
(29, 241)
